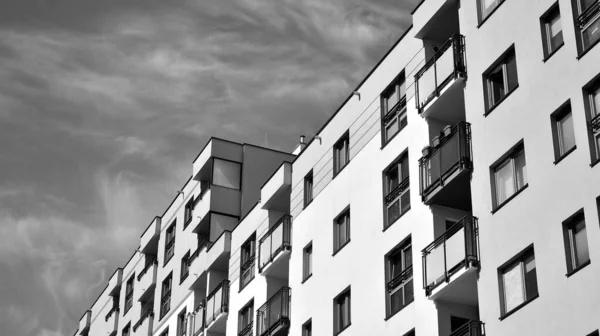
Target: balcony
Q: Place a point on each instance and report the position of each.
(214, 199)
(471, 328)
(274, 248)
(273, 318)
(275, 192)
(149, 239)
(445, 169)
(217, 253)
(450, 264)
(224, 149)
(114, 283)
(84, 323)
(437, 81)
(147, 279)
(197, 263)
(199, 318)
(143, 327)
(217, 307)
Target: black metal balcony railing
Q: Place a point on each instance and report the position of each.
(595, 122)
(588, 14)
(149, 263)
(455, 249)
(247, 330)
(275, 313)
(199, 318)
(401, 278)
(447, 63)
(247, 271)
(276, 240)
(165, 304)
(148, 314)
(217, 302)
(471, 328)
(452, 154)
(399, 189)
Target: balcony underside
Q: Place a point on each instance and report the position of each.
(280, 265)
(148, 293)
(455, 193)
(218, 325)
(449, 107)
(461, 288)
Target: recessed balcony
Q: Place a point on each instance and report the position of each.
(199, 318)
(84, 323)
(143, 327)
(471, 328)
(438, 81)
(147, 279)
(273, 318)
(149, 239)
(275, 247)
(217, 308)
(451, 262)
(445, 169)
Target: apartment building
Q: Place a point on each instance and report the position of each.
(456, 191)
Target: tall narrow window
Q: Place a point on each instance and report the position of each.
(393, 108)
(592, 95)
(308, 188)
(165, 295)
(182, 323)
(341, 312)
(587, 23)
(127, 330)
(399, 274)
(509, 176)
(247, 259)
(396, 187)
(307, 260)
(518, 281)
(185, 267)
(170, 242)
(307, 328)
(341, 153)
(129, 294)
(189, 207)
(245, 319)
(486, 7)
(341, 230)
(501, 79)
(551, 30)
(578, 254)
(564, 133)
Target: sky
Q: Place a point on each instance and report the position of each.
(105, 104)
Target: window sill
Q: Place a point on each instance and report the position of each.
(344, 328)
(517, 308)
(308, 277)
(501, 101)
(582, 266)
(565, 155)
(553, 52)
(402, 214)
(594, 162)
(490, 14)
(587, 50)
(399, 310)
(509, 199)
(340, 248)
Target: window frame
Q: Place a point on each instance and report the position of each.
(338, 307)
(501, 62)
(248, 308)
(188, 212)
(546, 28)
(248, 255)
(508, 158)
(560, 152)
(182, 323)
(337, 244)
(165, 332)
(129, 287)
(571, 247)
(307, 327)
(584, 20)
(402, 188)
(394, 114)
(165, 294)
(400, 251)
(126, 331)
(308, 188)
(307, 262)
(169, 251)
(343, 144)
(590, 90)
(519, 260)
(185, 266)
(481, 18)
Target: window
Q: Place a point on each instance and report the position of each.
(181, 323)
(501, 79)
(307, 328)
(189, 207)
(307, 265)
(563, 131)
(185, 267)
(247, 261)
(393, 108)
(594, 333)
(127, 330)
(170, 242)
(577, 252)
(518, 281)
(552, 37)
(592, 100)
(341, 153)
(399, 277)
(165, 332)
(341, 230)
(587, 23)
(165, 295)
(396, 189)
(129, 294)
(410, 333)
(341, 312)
(509, 176)
(226, 174)
(245, 319)
(486, 7)
(308, 188)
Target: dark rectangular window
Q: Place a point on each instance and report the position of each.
(563, 131)
(182, 323)
(308, 188)
(165, 295)
(410, 333)
(247, 259)
(587, 23)
(399, 274)
(341, 153)
(307, 262)
(129, 294)
(552, 36)
(396, 189)
(189, 207)
(307, 328)
(127, 330)
(245, 319)
(341, 312)
(165, 332)
(518, 281)
(185, 267)
(501, 79)
(170, 242)
(393, 108)
(592, 101)
(341, 230)
(509, 176)
(486, 7)
(576, 243)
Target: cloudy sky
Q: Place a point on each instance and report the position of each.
(105, 104)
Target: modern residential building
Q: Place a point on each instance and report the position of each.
(456, 191)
